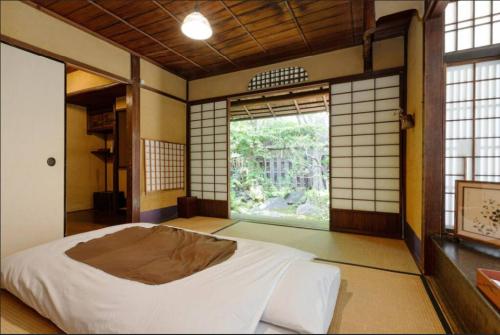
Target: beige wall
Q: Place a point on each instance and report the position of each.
(84, 171)
(27, 24)
(336, 63)
(155, 77)
(164, 119)
(344, 62)
(388, 53)
(387, 7)
(81, 80)
(414, 136)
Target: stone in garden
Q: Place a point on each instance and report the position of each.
(274, 203)
(307, 209)
(295, 197)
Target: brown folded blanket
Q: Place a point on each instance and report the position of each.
(153, 256)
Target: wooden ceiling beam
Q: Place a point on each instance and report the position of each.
(146, 34)
(369, 30)
(297, 25)
(172, 15)
(242, 25)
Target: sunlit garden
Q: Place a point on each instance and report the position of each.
(279, 170)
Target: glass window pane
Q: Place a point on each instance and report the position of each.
(464, 39)
(496, 6)
(464, 10)
(451, 13)
(482, 8)
(496, 33)
(482, 35)
(449, 43)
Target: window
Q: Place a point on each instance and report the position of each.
(471, 24)
(472, 149)
(278, 77)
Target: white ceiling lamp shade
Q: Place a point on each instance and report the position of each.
(196, 26)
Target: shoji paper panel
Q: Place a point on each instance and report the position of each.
(209, 150)
(164, 165)
(365, 137)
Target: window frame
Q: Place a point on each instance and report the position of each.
(472, 26)
(472, 56)
(473, 137)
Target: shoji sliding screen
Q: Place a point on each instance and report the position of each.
(209, 157)
(365, 156)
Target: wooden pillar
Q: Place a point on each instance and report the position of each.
(369, 29)
(433, 136)
(134, 144)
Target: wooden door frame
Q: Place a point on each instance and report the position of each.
(134, 142)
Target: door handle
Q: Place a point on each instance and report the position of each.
(51, 161)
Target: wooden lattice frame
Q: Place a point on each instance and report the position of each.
(164, 165)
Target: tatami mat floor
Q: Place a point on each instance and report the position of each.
(201, 224)
(370, 300)
(374, 301)
(377, 252)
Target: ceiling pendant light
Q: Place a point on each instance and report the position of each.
(196, 26)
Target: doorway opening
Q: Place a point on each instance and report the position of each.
(96, 152)
(279, 158)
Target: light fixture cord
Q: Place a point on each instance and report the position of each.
(197, 6)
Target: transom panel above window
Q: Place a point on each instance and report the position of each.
(471, 24)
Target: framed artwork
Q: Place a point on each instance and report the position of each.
(477, 213)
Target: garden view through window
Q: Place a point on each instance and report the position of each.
(280, 170)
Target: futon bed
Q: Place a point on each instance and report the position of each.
(262, 288)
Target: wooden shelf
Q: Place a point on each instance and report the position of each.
(100, 130)
(103, 154)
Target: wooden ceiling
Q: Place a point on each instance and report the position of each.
(245, 33)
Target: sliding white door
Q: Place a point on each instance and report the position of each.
(32, 166)
(208, 137)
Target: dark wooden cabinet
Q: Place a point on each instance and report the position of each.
(100, 120)
(187, 207)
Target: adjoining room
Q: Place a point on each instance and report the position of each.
(96, 155)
